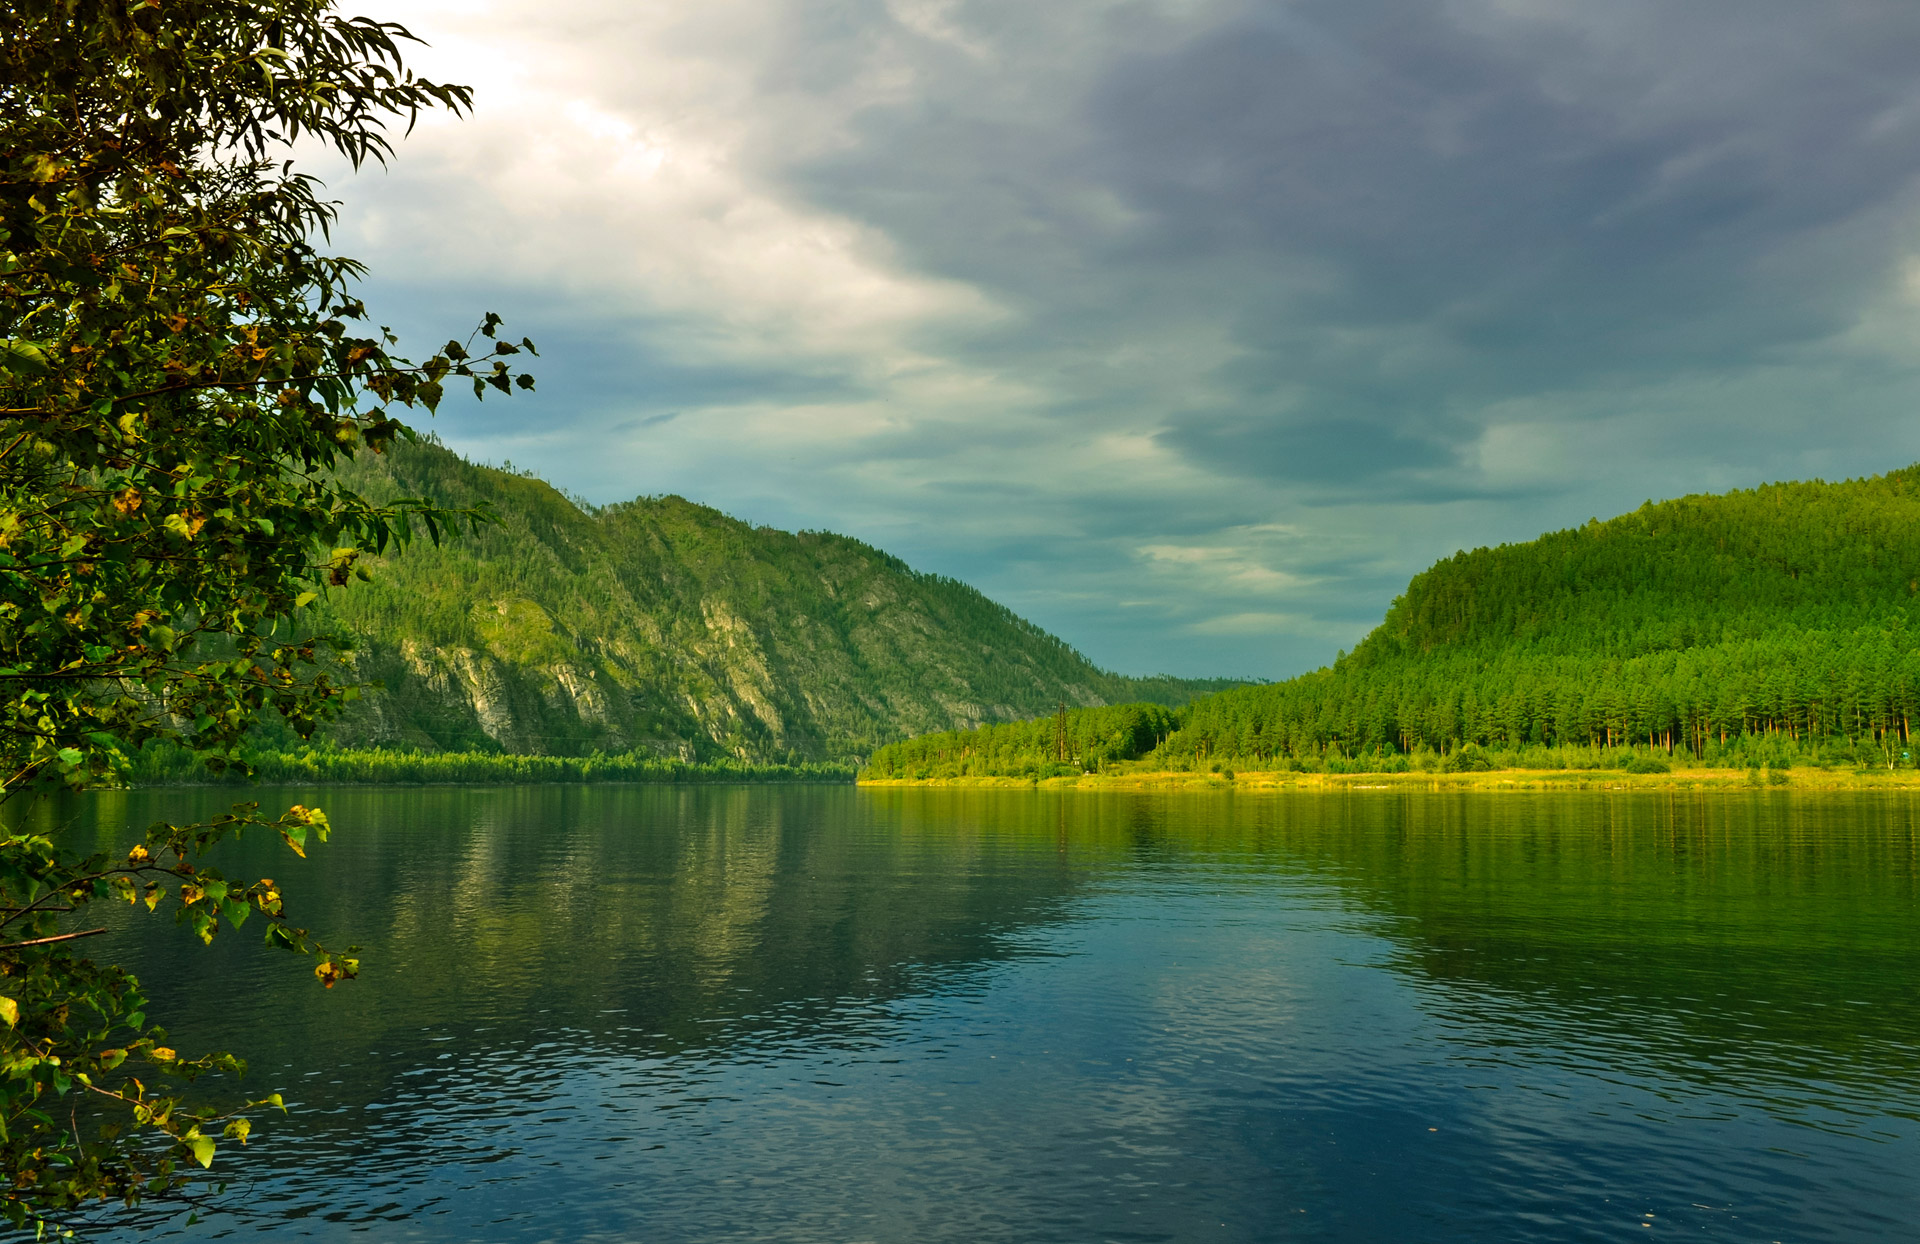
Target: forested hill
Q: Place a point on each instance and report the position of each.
(1781, 617)
(1699, 570)
(665, 626)
(1758, 627)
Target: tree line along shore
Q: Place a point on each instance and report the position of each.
(1144, 778)
(404, 767)
(1070, 748)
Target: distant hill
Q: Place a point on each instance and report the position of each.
(1755, 627)
(666, 626)
(1780, 616)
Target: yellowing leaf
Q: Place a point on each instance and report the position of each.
(9, 1011)
(202, 1147)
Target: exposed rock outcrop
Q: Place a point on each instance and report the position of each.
(667, 625)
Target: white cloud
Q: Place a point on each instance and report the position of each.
(617, 155)
(941, 273)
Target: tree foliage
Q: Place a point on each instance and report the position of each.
(1755, 628)
(182, 369)
(1071, 741)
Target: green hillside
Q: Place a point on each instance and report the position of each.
(1756, 627)
(665, 627)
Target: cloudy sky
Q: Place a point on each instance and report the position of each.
(1187, 329)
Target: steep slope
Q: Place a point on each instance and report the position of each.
(1757, 627)
(668, 626)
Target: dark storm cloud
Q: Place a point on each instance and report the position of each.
(1251, 309)
(1324, 450)
(1403, 208)
(1530, 204)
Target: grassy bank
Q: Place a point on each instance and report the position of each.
(382, 767)
(1490, 780)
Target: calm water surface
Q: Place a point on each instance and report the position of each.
(826, 1014)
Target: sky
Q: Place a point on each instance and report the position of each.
(1188, 330)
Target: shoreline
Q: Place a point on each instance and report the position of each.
(1488, 780)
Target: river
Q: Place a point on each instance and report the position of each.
(834, 1014)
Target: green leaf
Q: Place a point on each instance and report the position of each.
(24, 357)
(202, 1147)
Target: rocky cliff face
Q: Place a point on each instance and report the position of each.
(666, 625)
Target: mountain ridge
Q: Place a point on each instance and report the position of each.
(665, 626)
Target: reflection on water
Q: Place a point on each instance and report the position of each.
(830, 1014)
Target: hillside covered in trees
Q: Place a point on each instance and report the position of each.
(662, 627)
(1070, 741)
(1757, 627)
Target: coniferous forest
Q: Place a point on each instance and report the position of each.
(1763, 627)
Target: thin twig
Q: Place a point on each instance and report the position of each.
(43, 941)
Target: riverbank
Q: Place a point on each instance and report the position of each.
(1490, 780)
(380, 767)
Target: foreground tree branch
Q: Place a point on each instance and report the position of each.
(181, 371)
